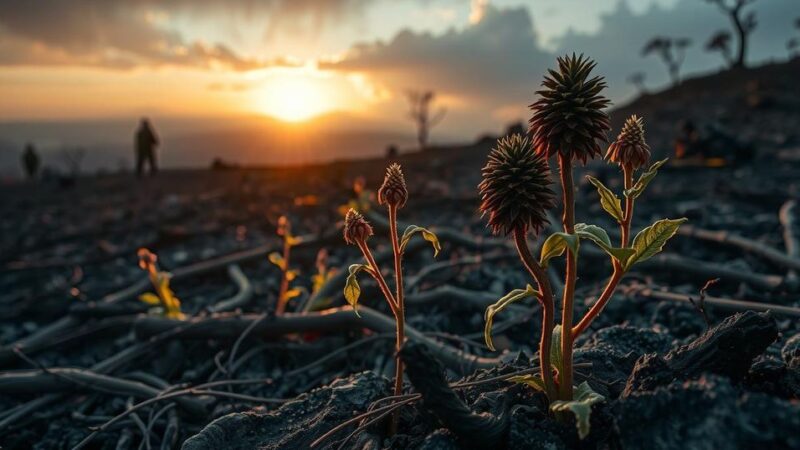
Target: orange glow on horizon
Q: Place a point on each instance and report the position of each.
(294, 97)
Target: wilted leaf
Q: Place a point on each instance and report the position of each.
(511, 297)
(644, 180)
(580, 406)
(292, 293)
(291, 275)
(651, 240)
(277, 259)
(556, 359)
(534, 381)
(555, 245)
(150, 299)
(351, 288)
(608, 200)
(426, 234)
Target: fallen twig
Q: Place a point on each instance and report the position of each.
(748, 245)
(722, 303)
(228, 327)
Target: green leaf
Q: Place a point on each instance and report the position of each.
(600, 237)
(277, 259)
(351, 288)
(581, 407)
(511, 297)
(534, 381)
(608, 200)
(651, 240)
(644, 180)
(428, 235)
(556, 244)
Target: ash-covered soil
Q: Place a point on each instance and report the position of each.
(79, 349)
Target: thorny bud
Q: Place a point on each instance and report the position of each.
(568, 118)
(284, 227)
(515, 191)
(356, 229)
(630, 148)
(147, 259)
(393, 191)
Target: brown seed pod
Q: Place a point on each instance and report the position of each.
(568, 118)
(630, 148)
(515, 191)
(393, 191)
(356, 229)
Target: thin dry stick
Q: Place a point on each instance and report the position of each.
(722, 303)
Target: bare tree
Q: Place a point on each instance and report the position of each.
(419, 110)
(792, 46)
(672, 51)
(721, 42)
(744, 24)
(637, 79)
(73, 160)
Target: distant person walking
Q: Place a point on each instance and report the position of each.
(31, 161)
(146, 143)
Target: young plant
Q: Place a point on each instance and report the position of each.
(285, 294)
(163, 298)
(568, 121)
(393, 194)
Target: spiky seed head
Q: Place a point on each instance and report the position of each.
(630, 148)
(515, 191)
(568, 118)
(356, 229)
(393, 191)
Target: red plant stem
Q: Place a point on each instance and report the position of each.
(619, 272)
(548, 309)
(568, 219)
(282, 300)
(375, 271)
(401, 313)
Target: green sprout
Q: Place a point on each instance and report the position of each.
(284, 230)
(164, 299)
(394, 194)
(568, 121)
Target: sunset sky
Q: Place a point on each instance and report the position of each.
(295, 59)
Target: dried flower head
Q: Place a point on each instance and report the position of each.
(147, 259)
(356, 229)
(630, 148)
(569, 117)
(393, 191)
(515, 191)
(284, 227)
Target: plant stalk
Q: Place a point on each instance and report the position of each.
(378, 276)
(548, 310)
(400, 314)
(619, 272)
(282, 300)
(568, 219)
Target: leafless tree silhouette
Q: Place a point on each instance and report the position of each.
(73, 160)
(721, 42)
(744, 24)
(419, 111)
(637, 79)
(672, 51)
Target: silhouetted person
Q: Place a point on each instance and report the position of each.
(31, 161)
(146, 143)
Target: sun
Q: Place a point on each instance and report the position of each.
(293, 98)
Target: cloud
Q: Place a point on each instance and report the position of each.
(118, 34)
(492, 62)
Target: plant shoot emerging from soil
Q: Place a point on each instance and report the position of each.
(393, 194)
(568, 121)
(284, 230)
(164, 299)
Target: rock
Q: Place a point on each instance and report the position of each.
(791, 352)
(706, 414)
(726, 349)
(295, 424)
